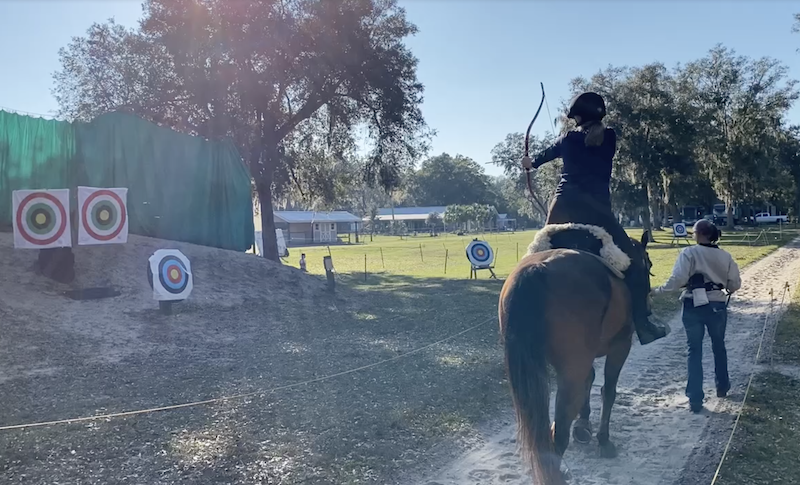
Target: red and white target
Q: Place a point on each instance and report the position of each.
(41, 219)
(103, 216)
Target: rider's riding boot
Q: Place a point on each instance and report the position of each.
(646, 330)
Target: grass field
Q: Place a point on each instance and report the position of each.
(424, 256)
(767, 441)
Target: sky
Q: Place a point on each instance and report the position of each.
(481, 61)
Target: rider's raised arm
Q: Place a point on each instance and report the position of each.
(549, 154)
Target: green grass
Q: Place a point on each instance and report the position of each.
(424, 256)
(767, 441)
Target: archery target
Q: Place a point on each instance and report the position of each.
(170, 275)
(479, 253)
(103, 216)
(41, 219)
(679, 229)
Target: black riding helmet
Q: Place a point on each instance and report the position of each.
(589, 106)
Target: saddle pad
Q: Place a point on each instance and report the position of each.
(610, 254)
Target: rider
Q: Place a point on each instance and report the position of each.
(583, 195)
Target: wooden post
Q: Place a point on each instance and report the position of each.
(445, 261)
(517, 251)
(420, 254)
(165, 307)
(383, 264)
(365, 267)
(327, 263)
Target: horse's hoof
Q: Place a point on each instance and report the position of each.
(608, 450)
(582, 432)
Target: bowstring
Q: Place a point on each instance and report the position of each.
(552, 124)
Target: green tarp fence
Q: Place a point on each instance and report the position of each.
(180, 187)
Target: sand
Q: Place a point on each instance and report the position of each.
(659, 441)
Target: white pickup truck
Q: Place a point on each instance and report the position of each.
(765, 218)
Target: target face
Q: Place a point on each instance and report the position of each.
(41, 219)
(170, 275)
(103, 216)
(480, 254)
(679, 229)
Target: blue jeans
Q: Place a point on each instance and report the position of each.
(713, 317)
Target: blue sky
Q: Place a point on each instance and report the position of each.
(481, 61)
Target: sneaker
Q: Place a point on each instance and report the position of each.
(696, 407)
(723, 391)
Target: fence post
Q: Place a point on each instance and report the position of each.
(383, 265)
(365, 267)
(420, 253)
(445, 260)
(327, 263)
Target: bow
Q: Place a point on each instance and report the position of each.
(526, 155)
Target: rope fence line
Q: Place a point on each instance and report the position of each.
(245, 395)
(750, 380)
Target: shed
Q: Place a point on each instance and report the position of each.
(304, 227)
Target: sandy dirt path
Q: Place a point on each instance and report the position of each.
(655, 434)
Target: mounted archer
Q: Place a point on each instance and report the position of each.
(583, 195)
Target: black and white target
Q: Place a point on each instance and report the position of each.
(41, 219)
(480, 254)
(103, 216)
(170, 275)
(679, 229)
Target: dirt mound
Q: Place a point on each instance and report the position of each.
(223, 281)
(222, 277)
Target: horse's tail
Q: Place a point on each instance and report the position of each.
(524, 333)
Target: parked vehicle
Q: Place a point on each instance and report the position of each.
(766, 218)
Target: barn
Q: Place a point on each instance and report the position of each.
(413, 217)
(307, 227)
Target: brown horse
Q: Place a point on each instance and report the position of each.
(564, 308)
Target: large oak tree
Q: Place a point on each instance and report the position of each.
(283, 78)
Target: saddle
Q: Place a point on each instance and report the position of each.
(585, 238)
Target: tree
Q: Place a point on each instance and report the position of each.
(433, 220)
(789, 158)
(281, 77)
(741, 104)
(655, 141)
(445, 180)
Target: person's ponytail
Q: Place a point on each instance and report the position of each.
(715, 234)
(595, 133)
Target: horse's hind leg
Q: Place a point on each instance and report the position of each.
(582, 430)
(569, 400)
(614, 362)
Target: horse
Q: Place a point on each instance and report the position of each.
(564, 307)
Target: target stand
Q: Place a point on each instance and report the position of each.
(679, 234)
(481, 257)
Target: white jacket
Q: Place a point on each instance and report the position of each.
(715, 264)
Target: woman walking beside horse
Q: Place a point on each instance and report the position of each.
(702, 272)
(569, 305)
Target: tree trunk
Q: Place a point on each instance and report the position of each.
(654, 207)
(268, 237)
(729, 215)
